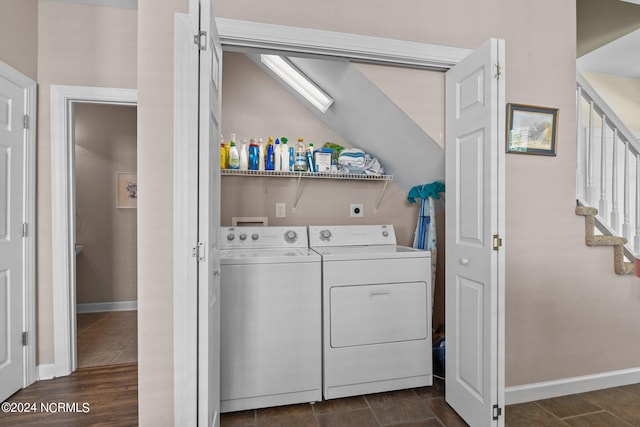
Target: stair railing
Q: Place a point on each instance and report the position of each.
(608, 167)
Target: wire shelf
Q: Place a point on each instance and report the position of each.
(317, 175)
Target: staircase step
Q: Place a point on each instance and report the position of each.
(586, 211)
(619, 265)
(606, 241)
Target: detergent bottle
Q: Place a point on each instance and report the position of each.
(284, 162)
(234, 155)
(244, 156)
(277, 156)
(300, 161)
(254, 152)
(269, 161)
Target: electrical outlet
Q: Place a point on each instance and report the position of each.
(281, 210)
(356, 210)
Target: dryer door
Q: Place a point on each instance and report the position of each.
(376, 314)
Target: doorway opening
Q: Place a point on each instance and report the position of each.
(64, 101)
(105, 233)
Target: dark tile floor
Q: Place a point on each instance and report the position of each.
(424, 407)
(419, 407)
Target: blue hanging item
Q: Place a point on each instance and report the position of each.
(425, 235)
(425, 191)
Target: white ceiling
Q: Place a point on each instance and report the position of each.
(620, 57)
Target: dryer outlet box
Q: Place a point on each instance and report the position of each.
(356, 210)
(281, 210)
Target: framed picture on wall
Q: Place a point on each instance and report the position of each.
(531, 130)
(126, 190)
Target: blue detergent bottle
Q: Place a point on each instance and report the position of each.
(270, 155)
(254, 153)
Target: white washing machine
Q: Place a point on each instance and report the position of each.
(376, 310)
(271, 320)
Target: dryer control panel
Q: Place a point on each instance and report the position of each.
(263, 237)
(351, 235)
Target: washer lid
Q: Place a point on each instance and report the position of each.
(347, 253)
(267, 256)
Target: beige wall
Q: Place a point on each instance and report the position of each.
(78, 45)
(622, 94)
(254, 105)
(105, 144)
(19, 35)
(561, 296)
(155, 207)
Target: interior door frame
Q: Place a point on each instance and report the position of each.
(28, 86)
(62, 212)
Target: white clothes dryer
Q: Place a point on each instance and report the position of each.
(270, 302)
(376, 310)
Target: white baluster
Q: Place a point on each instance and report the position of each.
(615, 214)
(636, 239)
(604, 203)
(626, 226)
(580, 189)
(589, 157)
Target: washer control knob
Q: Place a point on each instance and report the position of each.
(290, 236)
(243, 237)
(230, 236)
(254, 236)
(325, 235)
(385, 233)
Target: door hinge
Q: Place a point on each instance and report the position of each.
(25, 229)
(25, 121)
(200, 40)
(497, 412)
(199, 252)
(497, 242)
(498, 71)
(24, 338)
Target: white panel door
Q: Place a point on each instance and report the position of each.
(474, 216)
(12, 252)
(209, 220)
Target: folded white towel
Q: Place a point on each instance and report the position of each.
(351, 158)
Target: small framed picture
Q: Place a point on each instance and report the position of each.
(127, 190)
(532, 130)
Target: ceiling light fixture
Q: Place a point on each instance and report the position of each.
(298, 81)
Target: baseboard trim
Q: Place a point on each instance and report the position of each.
(46, 372)
(97, 307)
(566, 386)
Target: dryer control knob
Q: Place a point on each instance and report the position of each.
(254, 236)
(230, 236)
(325, 235)
(385, 233)
(243, 237)
(290, 236)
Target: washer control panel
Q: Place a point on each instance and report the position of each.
(351, 235)
(263, 237)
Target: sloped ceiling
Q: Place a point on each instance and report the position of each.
(367, 119)
(602, 21)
